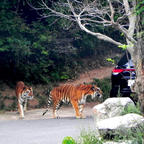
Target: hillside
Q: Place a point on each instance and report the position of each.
(88, 76)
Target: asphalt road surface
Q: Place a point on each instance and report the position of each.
(42, 131)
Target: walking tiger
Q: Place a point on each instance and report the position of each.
(75, 94)
(23, 93)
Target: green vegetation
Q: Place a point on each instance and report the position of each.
(68, 140)
(132, 109)
(39, 50)
(91, 137)
(136, 137)
(88, 137)
(110, 60)
(140, 8)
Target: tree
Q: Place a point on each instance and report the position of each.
(139, 52)
(120, 15)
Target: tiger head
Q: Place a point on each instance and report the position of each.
(92, 90)
(96, 92)
(27, 93)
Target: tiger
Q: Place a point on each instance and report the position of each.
(23, 93)
(76, 95)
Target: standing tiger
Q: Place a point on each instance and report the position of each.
(75, 94)
(23, 93)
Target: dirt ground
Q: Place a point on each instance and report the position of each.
(64, 111)
(88, 76)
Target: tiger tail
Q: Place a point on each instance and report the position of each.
(49, 103)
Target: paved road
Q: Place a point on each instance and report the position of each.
(47, 131)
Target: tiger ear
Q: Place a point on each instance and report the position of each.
(93, 88)
(30, 87)
(98, 88)
(24, 88)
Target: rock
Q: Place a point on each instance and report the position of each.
(111, 107)
(121, 125)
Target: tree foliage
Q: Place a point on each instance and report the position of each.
(39, 50)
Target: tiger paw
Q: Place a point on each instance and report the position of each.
(81, 117)
(21, 118)
(78, 117)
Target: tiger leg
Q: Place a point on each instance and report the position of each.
(25, 106)
(55, 109)
(75, 106)
(20, 109)
(81, 108)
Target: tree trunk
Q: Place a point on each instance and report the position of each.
(139, 85)
(138, 62)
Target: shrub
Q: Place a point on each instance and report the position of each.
(68, 140)
(89, 137)
(136, 136)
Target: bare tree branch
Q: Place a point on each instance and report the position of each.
(98, 35)
(115, 13)
(131, 16)
(112, 11)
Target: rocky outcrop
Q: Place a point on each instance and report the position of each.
(110, 122)
(111, 107)
(121, 125)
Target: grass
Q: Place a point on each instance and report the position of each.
(132, 109)
(90, 137)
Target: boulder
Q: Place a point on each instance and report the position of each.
(121, 125)
(111, 107)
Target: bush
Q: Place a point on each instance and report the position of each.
(11, 106)
(89, 137)
(68, 140)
